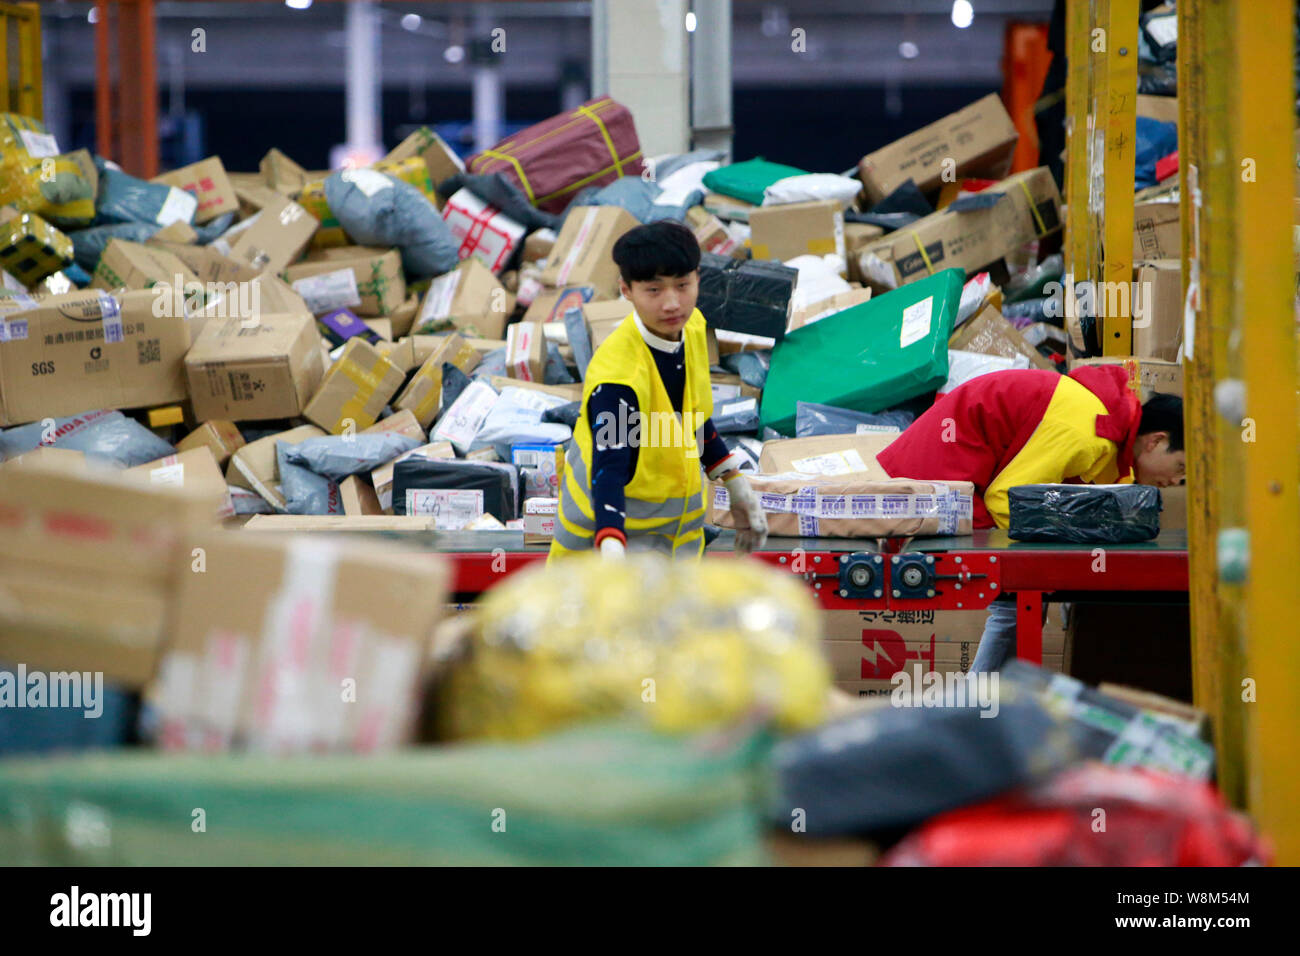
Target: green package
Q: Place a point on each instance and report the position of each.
(869, 357)
(749, 179)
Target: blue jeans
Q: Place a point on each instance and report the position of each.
(999, 640)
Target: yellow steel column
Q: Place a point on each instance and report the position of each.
(1080, 242)
(1119, 114)
(1263, 103)
(1214, 445)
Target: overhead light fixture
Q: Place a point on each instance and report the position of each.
(297, 4)
(93, 15)
(411, 21)
(908, 50)
(962, 14)
(454, 53)
(690, 22)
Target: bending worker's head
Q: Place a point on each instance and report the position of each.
(1158, 455)
(659, 268)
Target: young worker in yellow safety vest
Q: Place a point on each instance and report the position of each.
(632, 476)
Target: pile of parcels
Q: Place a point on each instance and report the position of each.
(409, 339)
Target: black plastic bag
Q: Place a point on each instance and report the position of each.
(1084, 514)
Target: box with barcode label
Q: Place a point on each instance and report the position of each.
(539, 519)
(367, 281)
(541, 467)
(451, 508)
(469, 298)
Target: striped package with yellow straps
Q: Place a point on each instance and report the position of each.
(1039, 226)
(506, 153)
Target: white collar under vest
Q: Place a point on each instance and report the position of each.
(652, 340)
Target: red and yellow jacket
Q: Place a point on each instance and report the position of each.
(1023, 427)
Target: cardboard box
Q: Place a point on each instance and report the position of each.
(178, 233)
(332, 524)
(195, 469)
(368, 281)
(819, 310)
(570, 393)
(401, 353)
(541, 467)
(219, 436)
(1145, 376)
(403, 317)
(526, 351)
(358, 497)
(1159, 334)
(539, 519)
(281, 173)
(440, 159)
(355, 389)
(797, 229)
(402, 422)
(89, 349)
(470, 298)
(278, 236)
(728, 385)
(482, 231)
(872, 646)
(382, 328)
(857, 236)
(971, 233)
(582, 253)
(208, 182)
(423, 394)
(551, 305)
(1173, 508)
(256, 467)
(977, 141)
(827, 455)
(538, 244)
(382, 477)
(49, 456)
(86, 564)
(244, 372)
(990, 334)
(207, 264)
(1163, 109)
(603, 318)
(711, 234)
(133, 265)
(1157, 231)
(231, 675)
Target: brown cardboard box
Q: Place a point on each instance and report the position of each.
(355, 389)
(207, 180)
(281, 173)
(1159, 334)
(977, 141)
(133, 265)
(582, 252)
(819, 310)
(469, 297)
(570, 393)
(382, 477)
(219, 436)
(1173, 508)
(401, 353)
(871, 645)
(423, 394)
(728, 385)
(179, 233)
(857, 236)
(969, 238)
(358, 496)
(368, 281)
(797, 229)
(86, 564)
(62, 357)
(526, 351)
(382, 328)
(851, 506)
(551, 305)
(827, 455)
(990, 334)
(711, 234)
(244, 372)
(426, 345)
(539, 519)
(1157, 231)
(256, 467)
(332, 524)
(603, 318)
(401, 422)
(1145, 376)
(538, 245)
(276, 295)
(403, 317)
(195, 469)
(207, 263)
(282, 231)
(441, 159)
(48, 456)
(231, 676)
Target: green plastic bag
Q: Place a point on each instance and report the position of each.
(749, 179)
(609, 796)
(869, 357)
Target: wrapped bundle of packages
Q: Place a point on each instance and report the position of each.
(854, 506)
(711, 644)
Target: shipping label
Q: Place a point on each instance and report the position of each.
(329, 291)
(451, 508)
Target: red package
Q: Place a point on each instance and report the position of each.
(1167, 167)
(552, 160)
(1092, 815)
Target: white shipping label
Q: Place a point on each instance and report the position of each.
(451, 508)
(723, 392)
(437, 301)
(168, 475)
(865, 429)
(460, 423)
(839, 235)
(12, 330)
(740, 408)
(369, 181)
(329, 291)
(39, 145)
(579, 242)
(520, 341)
(916, 322)
(833, 463)
(179, 206)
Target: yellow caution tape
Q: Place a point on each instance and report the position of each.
(1042, 226)
(920, 246)
(367, 383)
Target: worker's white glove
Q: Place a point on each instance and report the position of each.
(747, 513)
(612, 549)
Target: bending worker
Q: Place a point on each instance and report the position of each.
(632, 476)
(1029, 427)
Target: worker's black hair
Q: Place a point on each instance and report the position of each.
(660, 248)
(1164, 413)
